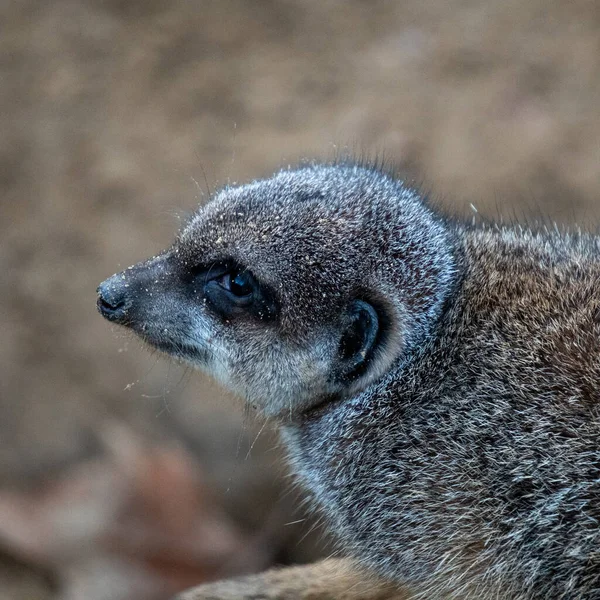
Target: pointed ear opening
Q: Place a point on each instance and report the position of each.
(359, 340)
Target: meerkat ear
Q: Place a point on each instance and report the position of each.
(358, 340)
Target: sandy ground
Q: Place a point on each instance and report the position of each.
(117, 117)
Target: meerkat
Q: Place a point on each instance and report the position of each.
(435, 381)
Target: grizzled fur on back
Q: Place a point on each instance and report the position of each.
(474, 471)
(436, 383)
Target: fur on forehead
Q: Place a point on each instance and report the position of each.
(319, 235)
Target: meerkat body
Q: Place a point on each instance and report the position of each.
(436, 384)
(483, 451)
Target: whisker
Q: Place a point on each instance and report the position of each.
(255, 440)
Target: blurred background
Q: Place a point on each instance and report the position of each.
(121, 475)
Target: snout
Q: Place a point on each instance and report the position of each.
(113, 299)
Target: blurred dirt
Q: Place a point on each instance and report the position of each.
(116, 117)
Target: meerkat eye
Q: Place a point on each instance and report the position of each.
(238, 283)
(232, 290)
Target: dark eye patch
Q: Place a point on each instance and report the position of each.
(232, 291)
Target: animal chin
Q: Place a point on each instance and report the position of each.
(176, 348)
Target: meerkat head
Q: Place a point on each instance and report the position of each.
(296, 289)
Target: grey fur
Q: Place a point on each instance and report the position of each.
(464, 462)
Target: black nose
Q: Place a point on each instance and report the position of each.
(113, 302)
